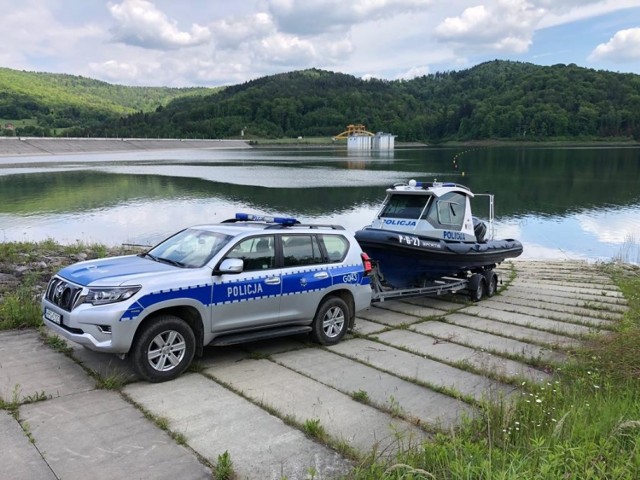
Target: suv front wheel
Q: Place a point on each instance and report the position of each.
(164, 349)
(331, 320)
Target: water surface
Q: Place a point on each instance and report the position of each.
(560, 202)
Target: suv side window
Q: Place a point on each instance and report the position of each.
(336, 246)
(258, 253)
(301, 250)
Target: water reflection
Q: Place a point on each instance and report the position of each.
(562, 203)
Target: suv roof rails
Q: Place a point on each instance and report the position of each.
(277, 222)
(304, 225)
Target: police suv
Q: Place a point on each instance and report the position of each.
(245, 279)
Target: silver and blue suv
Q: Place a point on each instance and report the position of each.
(245, 279)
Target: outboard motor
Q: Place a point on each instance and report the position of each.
(479, 229)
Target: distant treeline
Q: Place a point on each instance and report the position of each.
(493, 100)
(46, 104)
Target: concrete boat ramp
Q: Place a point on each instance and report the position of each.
(289, 409)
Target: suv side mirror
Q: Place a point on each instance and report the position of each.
(229, 265)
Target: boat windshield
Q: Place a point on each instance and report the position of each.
(405, 206)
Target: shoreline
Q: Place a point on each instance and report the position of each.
(43, 146)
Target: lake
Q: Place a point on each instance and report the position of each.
(561, 203)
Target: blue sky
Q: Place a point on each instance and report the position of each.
(218, 42)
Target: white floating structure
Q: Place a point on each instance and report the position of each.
(359, 139)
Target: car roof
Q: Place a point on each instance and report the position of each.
(239, 228)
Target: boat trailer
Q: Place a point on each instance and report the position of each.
(478, 285)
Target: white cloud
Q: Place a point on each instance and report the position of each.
(312, 17)
(232, 42)
(287, 49)
(505, 25)
(233, 32)
(623, 47)
(413, 72)
(610, 226)
(141, 24)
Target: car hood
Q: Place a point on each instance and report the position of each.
(114, 271)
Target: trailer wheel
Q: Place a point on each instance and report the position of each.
(492, 282)
(477, 287)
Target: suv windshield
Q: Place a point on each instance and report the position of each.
(190, 248)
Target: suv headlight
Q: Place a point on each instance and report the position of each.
(102, 296)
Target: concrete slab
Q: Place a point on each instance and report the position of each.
(20, 459)
(450, 305)
(551, 295)
(29, 368)
(429, 372)
(553, 326)
(214, 420)
(387, 317)
(103, 364)
(518, 294)
(593, 292)
(586, 275)
(414, 402)
(277, 345)
(413, 309)
(292, 395)
(500, 305)
(213, 356)
(99, 435)
(489, 342)
(365, 327)
(456, 354)
(531, 335)
(604, 314)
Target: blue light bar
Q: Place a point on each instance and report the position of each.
(261, 218)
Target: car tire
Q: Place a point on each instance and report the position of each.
(164, 348)
(331, 321)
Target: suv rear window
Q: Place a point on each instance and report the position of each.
(336, 246)
(300, 250)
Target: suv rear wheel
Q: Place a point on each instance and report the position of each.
(331, 320)
(164, 349)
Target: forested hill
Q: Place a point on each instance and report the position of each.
(498, 99)
(46, 101)
(493, 100)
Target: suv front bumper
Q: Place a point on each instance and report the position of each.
(98, 328)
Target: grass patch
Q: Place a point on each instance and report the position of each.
(361, 396)
(313, 428)
(582, 424)
(20, 309)
(29, 266)
(224, 467)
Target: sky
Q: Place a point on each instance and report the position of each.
(183, 43)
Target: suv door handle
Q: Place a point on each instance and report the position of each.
(272, 281)
(321, 275)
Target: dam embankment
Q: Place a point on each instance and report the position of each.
(27, 146)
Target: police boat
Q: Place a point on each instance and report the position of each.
(425, 231)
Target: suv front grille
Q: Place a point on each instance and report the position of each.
(62, 293)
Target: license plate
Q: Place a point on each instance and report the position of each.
(52, 316)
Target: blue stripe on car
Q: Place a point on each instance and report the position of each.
(233, 290)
